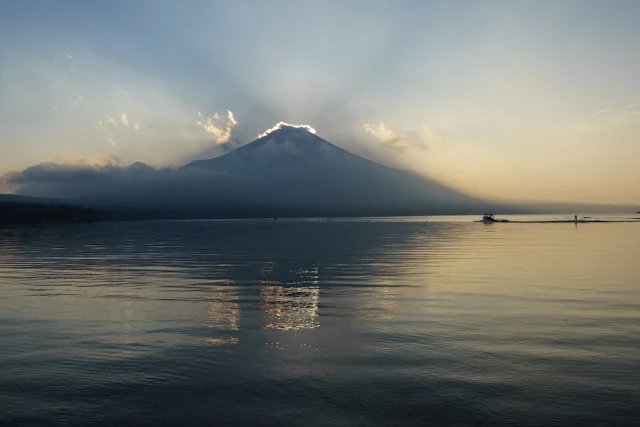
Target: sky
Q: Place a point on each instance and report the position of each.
(518, 101)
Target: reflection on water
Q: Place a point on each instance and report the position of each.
(290, 308)
(290, 298)
(224, 314)
(354, 323)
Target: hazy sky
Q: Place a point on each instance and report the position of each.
(522, 100)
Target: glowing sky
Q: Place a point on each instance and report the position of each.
(526, 100)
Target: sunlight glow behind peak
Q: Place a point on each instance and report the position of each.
(280, 125)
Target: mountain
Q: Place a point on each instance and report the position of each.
(289, 172)
(139, 167)
(293, 170)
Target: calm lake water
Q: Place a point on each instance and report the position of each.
(317, 323)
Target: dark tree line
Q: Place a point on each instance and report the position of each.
(31, 213)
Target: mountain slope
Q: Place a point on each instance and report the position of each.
(289, 172)
(293, 169)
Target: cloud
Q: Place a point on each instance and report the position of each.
(401, 141)
(107, 180)
(76, 102)
(606, 119)
(6, 186)
(219, 127)
(89, 179)
(68, 55)
(280, 125)
(63, 178)
(381, 132)
(126, 123)
(108, 120)
(110, 126)
(84, 110)
(64, 171)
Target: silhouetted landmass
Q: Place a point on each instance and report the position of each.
(12, 213)
(287, 173)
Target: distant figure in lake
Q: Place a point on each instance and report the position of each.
(575, 219)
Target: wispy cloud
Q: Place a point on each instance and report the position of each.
(6, 185)
(403, 140)
(607, 119)
(128, 124)
(84, 110)
(109, 125)
(76, 102)
(220, 126)
(381, 132)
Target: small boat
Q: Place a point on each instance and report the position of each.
(488, 218)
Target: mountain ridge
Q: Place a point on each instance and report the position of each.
(288, 172)
(325, 169)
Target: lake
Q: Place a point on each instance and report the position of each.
(359, 322)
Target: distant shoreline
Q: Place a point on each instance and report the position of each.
(19, 214)
(30, 213)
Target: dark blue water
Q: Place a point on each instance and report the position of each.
(358, 323)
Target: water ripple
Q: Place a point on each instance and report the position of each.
(350, 322)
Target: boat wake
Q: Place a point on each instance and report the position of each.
(561, 221)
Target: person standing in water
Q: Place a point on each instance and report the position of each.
(575, 219)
